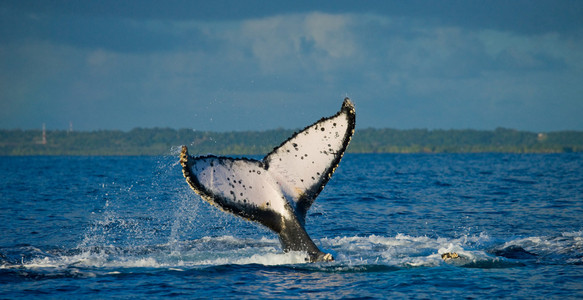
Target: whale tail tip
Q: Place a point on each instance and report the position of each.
(185, 161)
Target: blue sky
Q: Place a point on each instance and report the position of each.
(253, 65)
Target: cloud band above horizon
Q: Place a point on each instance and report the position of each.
(106, 71)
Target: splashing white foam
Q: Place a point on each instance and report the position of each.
(401, 251)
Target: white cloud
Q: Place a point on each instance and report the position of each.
(295, 43)
(331, 33)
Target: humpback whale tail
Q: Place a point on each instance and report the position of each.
(278, 190)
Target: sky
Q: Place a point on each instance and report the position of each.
(260, 65)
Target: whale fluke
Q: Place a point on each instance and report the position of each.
(278, 190)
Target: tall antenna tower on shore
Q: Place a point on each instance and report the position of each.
(44, 140)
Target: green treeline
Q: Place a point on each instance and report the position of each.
(163, 141)
(465, 141)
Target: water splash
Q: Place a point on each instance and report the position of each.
(353, 253)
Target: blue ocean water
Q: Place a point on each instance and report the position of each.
(129, 227)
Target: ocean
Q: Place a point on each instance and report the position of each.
(130, 227)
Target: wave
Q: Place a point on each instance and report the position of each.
(353, 254)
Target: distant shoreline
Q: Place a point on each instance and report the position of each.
(159, 141)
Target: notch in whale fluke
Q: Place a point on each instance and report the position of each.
(278, 190)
